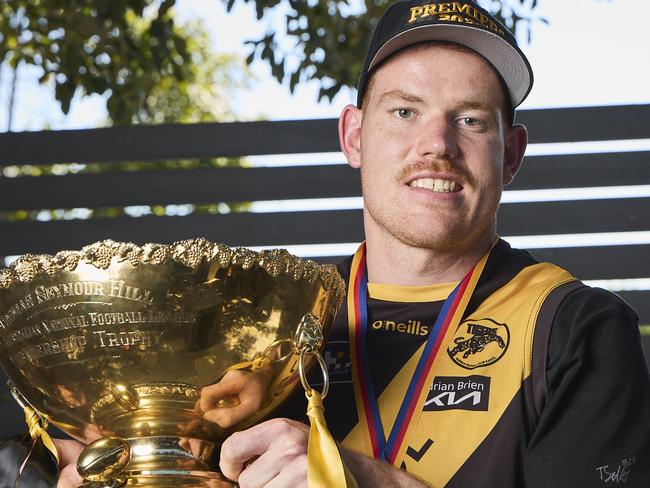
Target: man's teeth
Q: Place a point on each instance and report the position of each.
(445, 186)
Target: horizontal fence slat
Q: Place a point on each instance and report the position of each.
(587, 123)
(258, 229)
(600, 262)
(586, 263)
(282, 137)
(210, 185)
(244, 229)
(583, 170)
(173, 141)
(203, 185)
(574, 217)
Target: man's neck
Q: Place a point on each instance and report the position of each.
(393, 262)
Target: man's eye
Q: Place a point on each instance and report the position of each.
(404, 113)
(471, 122)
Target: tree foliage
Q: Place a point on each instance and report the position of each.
(206, 91)
(154, 69)
(124, 47)
(136, 52)
(329, 37)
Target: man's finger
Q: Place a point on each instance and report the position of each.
(264, 469)
(294, 479)
(68, 450)
(241, 447)
(228, 386)
(69, 478)
(225, 417)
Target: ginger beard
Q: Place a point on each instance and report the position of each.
(424, 126)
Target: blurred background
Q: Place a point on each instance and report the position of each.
(163, 120)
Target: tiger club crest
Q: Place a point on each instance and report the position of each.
(479, 343)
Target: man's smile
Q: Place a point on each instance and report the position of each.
(436, 184)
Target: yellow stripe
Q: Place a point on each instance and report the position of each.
(532, 319)
(361, 411)
(410, 294)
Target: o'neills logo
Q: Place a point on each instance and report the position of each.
(479, 343)
(414, 327)
(457, 12)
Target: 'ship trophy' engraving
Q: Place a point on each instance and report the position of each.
(153, 355)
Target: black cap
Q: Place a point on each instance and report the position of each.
(461, 22)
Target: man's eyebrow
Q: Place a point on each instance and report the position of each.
(476, 105)
(400, 94)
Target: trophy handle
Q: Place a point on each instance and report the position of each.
(307, 341)
(102, 462)
(303, 377)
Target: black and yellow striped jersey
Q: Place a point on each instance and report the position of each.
(544, 383)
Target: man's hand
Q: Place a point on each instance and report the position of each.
(272, 454)
(247, 388)
(69, 451)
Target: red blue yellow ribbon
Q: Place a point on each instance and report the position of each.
(392, 450)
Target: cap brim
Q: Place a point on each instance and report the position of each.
(508, 60)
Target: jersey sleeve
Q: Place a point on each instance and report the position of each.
(40, 470)
(594, 429)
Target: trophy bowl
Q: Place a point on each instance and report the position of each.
(153, 355)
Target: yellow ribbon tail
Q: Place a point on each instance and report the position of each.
(325, 467)
(37, 426)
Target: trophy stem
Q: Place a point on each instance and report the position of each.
(160, 462)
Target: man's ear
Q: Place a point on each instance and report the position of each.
(350, 134)
(516, 140)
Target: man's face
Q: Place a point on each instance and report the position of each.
(433, 148)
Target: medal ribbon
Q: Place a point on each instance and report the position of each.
(366, 400)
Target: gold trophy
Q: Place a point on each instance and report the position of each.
(153, 355)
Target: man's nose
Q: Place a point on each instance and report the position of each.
(436, 138)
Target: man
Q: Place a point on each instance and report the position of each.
(458, 361)
(543, 382)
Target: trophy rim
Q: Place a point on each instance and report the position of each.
(190, 253)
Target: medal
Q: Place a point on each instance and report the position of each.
(392, 449)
